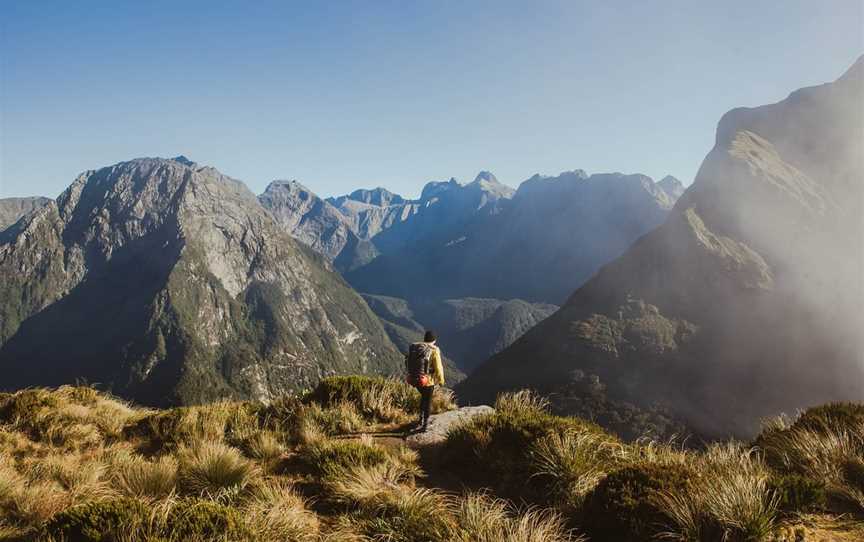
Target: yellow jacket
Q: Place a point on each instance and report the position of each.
(437, 376)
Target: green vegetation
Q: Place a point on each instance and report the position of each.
(76, 464)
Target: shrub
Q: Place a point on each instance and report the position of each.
(211, 468)
(796, 493)
(624, 506)
(201, 519)
(96, 521)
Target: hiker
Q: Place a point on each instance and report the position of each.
(425, 371)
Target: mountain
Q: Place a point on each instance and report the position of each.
(355, 229)
(317, 224)
(470, 329)
(551, 236)
(167, 282)
(12, 209)
(747, 301)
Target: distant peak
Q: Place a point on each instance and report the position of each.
(183, 160)
(671, 186)
(485, 176)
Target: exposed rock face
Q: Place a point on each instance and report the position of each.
(12, 209)
(317, 224)
(552, 236)
(168, 283)
(748, 300)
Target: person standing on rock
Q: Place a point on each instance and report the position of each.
(425, 371)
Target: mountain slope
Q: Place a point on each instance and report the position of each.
(551, 237)
(168, 283)
(747, 300)
(12, 209)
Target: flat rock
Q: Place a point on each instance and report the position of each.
(440, 424)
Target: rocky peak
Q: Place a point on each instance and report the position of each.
(173, 284)
(672, 186)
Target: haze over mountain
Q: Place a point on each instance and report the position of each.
(12, 209)
(462, 258)
(747, 301)
(167, 282)
(548, 239)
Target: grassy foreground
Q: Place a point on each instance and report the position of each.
(76, 464)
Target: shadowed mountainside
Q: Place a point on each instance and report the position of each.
(747, 300)
(168, 283)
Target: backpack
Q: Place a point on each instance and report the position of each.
(417, 364)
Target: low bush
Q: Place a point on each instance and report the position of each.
(193, 519)
(97, 521)
(796, 493)
(625, 505)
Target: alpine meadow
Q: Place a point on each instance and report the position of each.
(671, 353)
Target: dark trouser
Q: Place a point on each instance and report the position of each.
(425, 403)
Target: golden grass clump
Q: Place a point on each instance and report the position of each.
(213, 469)
(482, 518)
(149, 480)
(73, 417)
(729, 496)
(572, 463)
(275, 511)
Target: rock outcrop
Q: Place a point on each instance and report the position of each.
(747, 300)
(440, 425)
(166, 282)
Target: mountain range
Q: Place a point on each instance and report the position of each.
(166, 282)
(747, 300)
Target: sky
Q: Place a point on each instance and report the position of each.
(349, 94)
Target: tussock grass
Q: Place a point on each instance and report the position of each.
(572, 463)
(74, 458)
(274, 511)
(482, 518)
(211, 468)
(135, 476)
(729, 498)
(824, 443)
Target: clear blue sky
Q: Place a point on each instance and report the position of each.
(347, 94)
